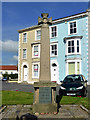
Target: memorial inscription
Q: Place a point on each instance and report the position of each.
(45, 95)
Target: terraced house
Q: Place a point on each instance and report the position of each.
(69, 49)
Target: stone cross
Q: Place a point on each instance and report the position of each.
(44, 19)
(45, 75)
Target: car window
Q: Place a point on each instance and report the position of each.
(68, 79)
(73, 78)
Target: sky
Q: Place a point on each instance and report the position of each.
(19, 15)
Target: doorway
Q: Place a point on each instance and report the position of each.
(25, 70)
(54, 72)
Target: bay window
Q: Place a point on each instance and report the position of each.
(73, 46)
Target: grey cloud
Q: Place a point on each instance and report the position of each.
(9, 45)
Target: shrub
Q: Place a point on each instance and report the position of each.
(12, 76)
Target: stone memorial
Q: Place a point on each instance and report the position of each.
(45, 90)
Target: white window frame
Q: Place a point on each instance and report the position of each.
(51, 49)
(38, 51)
(35, 77)
(69, 28)
(51, 31)
(23, 37)
(75, 46)
(36, 34)
(23, 55)
(75, 61)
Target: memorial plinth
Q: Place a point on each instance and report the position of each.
(45, 90)
(45, 97)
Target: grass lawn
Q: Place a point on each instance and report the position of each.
(76, 100)
(18, 97)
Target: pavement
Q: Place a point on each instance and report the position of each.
(69, 112)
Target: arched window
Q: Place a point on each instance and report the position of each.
(54, 65)
(25, 66)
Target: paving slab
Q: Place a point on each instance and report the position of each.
(65, 112)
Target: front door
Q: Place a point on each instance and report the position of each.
(25, 73)
(54, 72)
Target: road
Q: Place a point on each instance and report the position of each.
(25, 87)
(17, 87)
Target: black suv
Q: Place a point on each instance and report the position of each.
(74, 85)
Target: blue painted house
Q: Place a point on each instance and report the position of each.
(69, 46)
(69, 49)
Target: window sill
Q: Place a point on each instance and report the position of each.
(53, 37)
(35, 57)
(54, 56)
(35, 78)
(24, 42)
(73, 34)
(73, 54)
(24, 58)
(38, 40)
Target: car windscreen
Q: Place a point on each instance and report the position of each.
(73, 78)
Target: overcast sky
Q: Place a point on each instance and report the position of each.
(19, 15)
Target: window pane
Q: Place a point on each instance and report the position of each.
(74, 30)
(53, 31)
(73, 43)
(38, 35)
(35, 50)
(69, 50)
(68, 43)
(24, 53)
(35, 53)
(72, 49)
(24, 37)
(77, 45)
(77, 49)
(71, 30)
(52, 47)
(77, 42)
(53, 50)
(52, 34)
(71, 25)
(55, 46)
(54, 28)
(36, 70)
(74, 24)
